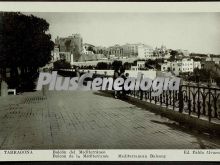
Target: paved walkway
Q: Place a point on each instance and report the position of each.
(87, 120)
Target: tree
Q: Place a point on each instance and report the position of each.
(198, 55)
(91, 48)
(25, 45)
(134, 63)
(200, 75)
(127, 65)
(116, 65)
(102, 65)
(173, 55)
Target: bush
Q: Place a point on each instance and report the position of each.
(102, 65)
(116, 65)
(61, 64)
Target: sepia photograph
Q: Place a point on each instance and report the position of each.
(109, 80)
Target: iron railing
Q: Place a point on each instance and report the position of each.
(194, 100)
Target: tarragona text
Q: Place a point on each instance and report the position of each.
(86, 82)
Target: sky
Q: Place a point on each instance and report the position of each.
(196, 32)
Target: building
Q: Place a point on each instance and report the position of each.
(141, 64)
(72, 44)
(197, 64)
(130, 50)
(215, 59)
(208, 65)
(102, 50)
(182, 66)
(91, 57)
(86, 51)
(134, 68)
(145, 52)
(176, 67)
(166, 66)
(88, 46)
(161, 52)
(67, 56)
(55, 54)
(185, 53)
(116, 50)
(167, 55)
(187, 65)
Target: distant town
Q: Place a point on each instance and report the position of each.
(135, 57)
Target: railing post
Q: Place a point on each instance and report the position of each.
(167, 98)
(209, 105)
(180, 96)
(161, 97)
(189, 101)
(203, 105)
(215, 105)
(194, 99)
(199, 102)
(141, 91)
(150, 92)
(174, 99)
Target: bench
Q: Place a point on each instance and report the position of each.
(12, 91)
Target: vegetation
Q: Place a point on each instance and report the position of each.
(200, 75)
(127, 65)
(214, 56)
(116, 65)
(61, 64)
(25, 46)
(198, 55)
(91, 48)
(102, 65)
(204, 75)
(154, 63)
(175, 55)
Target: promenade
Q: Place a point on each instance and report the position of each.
(82, 120)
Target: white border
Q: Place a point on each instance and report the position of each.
(111, 155)
(110, 6)
(171, 155)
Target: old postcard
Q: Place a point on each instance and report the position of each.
(109, 81)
